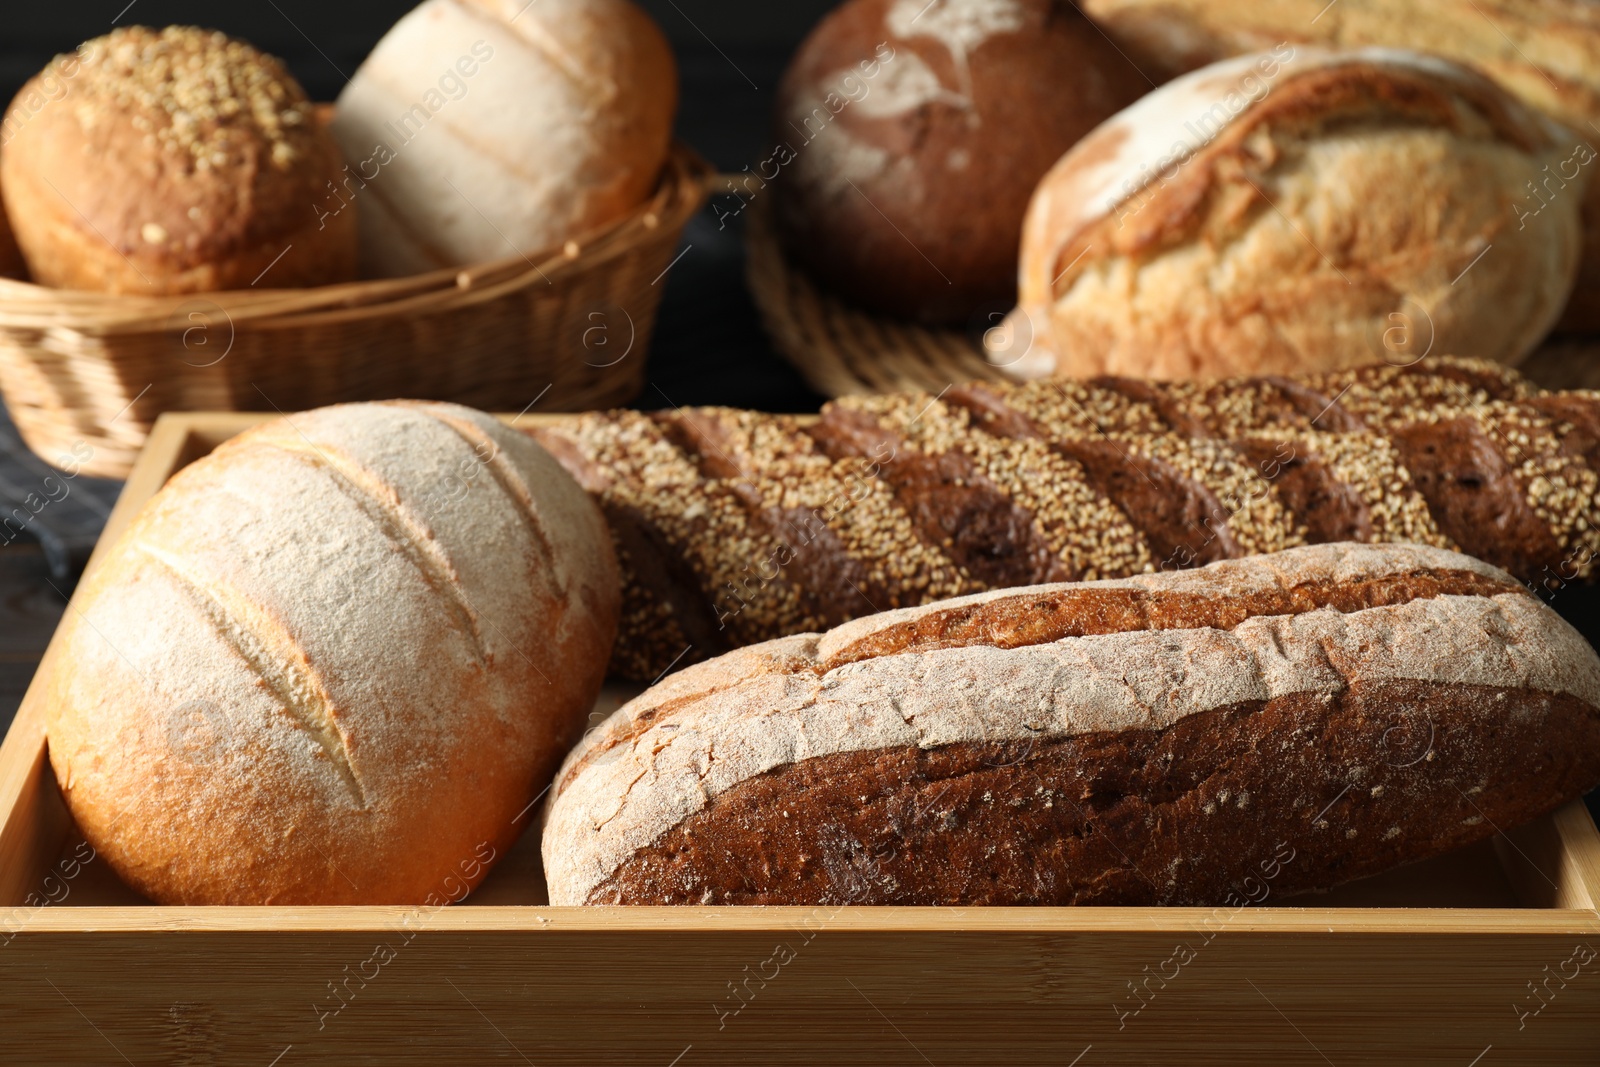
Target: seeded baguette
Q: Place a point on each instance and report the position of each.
(1340, 709)
(734, 527)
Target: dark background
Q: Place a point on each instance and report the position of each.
(709, 347)
(724, 112)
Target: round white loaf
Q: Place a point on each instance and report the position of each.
(1301, 210)
(482, 129)
(335, 661)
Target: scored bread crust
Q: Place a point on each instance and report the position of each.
(1132, 657)
(734, 527)
(1269, 214)
(331, 661)
(917, 134)
(1545, 51)
(173, 161)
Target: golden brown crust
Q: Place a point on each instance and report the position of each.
(174, 161)
(1315, 199)
(1547, 52)
(334, 662)
(1066, 611)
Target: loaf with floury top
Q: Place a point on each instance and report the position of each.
(912, 133)
(1285, 212)
(1336, 710)
(333, 662)
(1546, 52)
(735, 527)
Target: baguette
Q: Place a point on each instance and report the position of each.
(1335, 710)
(734, 527)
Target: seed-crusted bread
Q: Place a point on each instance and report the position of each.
(173, 161)
(734, 527)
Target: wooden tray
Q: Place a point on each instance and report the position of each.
(1478, 959)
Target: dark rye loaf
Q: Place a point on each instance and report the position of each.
(1330, 711)
(734, 527)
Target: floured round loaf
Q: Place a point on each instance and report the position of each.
(1339, 709)
(334, 662)
(1299, 210)
(910, 134)
(484, 129)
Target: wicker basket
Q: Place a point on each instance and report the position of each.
(569, 329)
(841, 350)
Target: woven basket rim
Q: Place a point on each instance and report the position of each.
(683, 188)
(840, 349)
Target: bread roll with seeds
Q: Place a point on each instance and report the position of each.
(334, 662)
(174, 161)
(734, 527)
(1299, 210)
(1341, 709)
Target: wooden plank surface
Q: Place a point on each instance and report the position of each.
(796, 989)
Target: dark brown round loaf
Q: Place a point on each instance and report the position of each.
(911, 135)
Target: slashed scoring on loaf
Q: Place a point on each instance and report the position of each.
(1124, 155)
(1068, 243)
(332, 657)
(668, 754)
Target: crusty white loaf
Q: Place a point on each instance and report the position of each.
(1545, 51)
(1299, 210)
(334, 661)
(483, 129)
(1141, 741)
